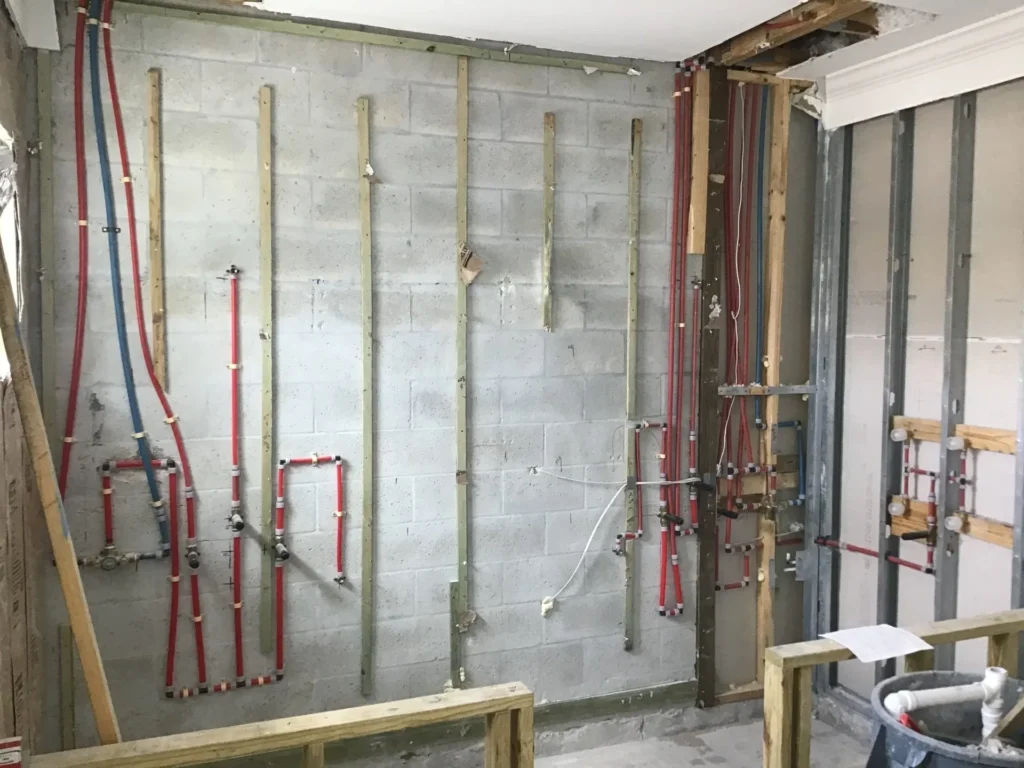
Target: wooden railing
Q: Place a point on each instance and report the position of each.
(787, 677)
(507, 709)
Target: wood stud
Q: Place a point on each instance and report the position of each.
(154, 170)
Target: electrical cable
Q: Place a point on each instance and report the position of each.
(759, 344)
(115, 278)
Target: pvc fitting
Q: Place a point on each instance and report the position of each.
(192, 557)
(955, 443)
(954, 523)
(992, 709)
(237, 523)
(898, 435)
(281, 551)
(989, 693)
(897, 509)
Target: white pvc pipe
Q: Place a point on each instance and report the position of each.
(989, 693)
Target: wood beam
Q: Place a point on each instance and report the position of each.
(978, 438)
(802, 20)
(977, 527)
(154, 170)
(53, 510)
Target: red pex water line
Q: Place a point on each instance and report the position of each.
(932, 519)
(83, 253)
(236, 520)
(340, 515)
(833, 544)
(191, 545)
(684, 236)
(639, 487)
(172, 627)
(747, 190)
(674, 279)
(694, 335)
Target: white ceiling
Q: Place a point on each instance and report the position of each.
(660, 30)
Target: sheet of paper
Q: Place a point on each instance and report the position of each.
(879, 642)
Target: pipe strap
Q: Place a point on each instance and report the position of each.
(108, 491)
(170, 419)
(157, 504)
(234, 366)
(68, 439)
(83, 223)
(174, 579)
(197, 619)
(139, 435)
(238, 606)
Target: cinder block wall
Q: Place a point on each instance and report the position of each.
(547, 399)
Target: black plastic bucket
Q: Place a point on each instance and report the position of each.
(899, 747)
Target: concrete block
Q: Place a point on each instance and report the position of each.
(583, 443)
(294, 409)
(525, 401)
(606, 574)
(311, 653)
(332, 102)
(338, 308)
(210, 143)
(483, 306)
(526, 493)
(505, 628)
(417, 640)
(506, 353)
(339, 407)
(178, 78)
(311, 255)
(335, 56)
(568, 532)
(336, 205)
(608, 217)
(505, 447)
(313, 151)
(127, 25)
(434, 112)
(410, 159)
(394, 595)
(196, 39)
(498, 165)
(431, 590)
(603, 479)
(585, 616)
(606, 307)
(433, 210)
(183, 198)
(403, 259)
(532, 579)
(233, 90)
(592, 262)
(584, 169)
(485, 493)
(652, 312)
(523, 214)
(208, 248)
(412, 66)
(433, 308)
(400, 353)
(610, 126)
(520, 305)
(429, 544)
(64, 141)
(312, 358)
(340, 692)
(522, 119)
(501, 539)
(485, 585)
(603, 658)
(324, 606)
(655, 175)
(434, 497)
(577, 353)
(599, 86)
(605, 397)
(651, 356)
(391, 499)
(568, 306)
(507, 76)
(433, 403)
(233, 196)
(515, 259)
(421, 452)
(654, 88)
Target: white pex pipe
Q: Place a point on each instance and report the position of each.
(988, 693)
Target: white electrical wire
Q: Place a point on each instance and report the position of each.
(736, 261)
(539, 471)
(549, 602)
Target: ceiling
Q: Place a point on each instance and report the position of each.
(659, 30)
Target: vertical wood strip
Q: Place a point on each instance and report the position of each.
(313, 756)
(803, 704)
(461, 325)
(1002, 652)
(922, 661)
(522, 737)
(366, 307)
(498, 740)
(16, 575)
(778, 717)
(632, 277)
(53, 510)
(47, 267)
(6, 669)
(265, 161)
(547, 249)
(779, 168)
(154, 169)
(706, 238)
(67, 688)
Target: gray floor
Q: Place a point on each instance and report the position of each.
(734, 746)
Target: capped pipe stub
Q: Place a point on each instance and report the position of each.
(898, 435)
(954, 523)
(955, 443)
(897, 509)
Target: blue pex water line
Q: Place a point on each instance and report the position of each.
(759, 350)
(800, 451)
(115, 276)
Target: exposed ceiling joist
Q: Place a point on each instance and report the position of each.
(802, 20)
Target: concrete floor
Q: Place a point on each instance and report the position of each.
(734, 746)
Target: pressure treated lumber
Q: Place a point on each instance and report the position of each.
(922, 661)
(1012, 721)
(1002, 652)
(367, 612)
(201, 747)
(977, 438)
(264, 160)
(776, 255)
(498, 740)
(461, 478)
(791, 25)
(975, 526)
(154, 170)
(53, 511)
